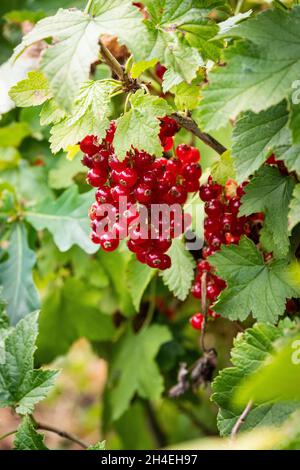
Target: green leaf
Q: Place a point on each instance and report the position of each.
(294, 212)
(138, 277)
(270, 192)
(63, 173)
(178, 278)
(139, 127)
(89, 116)
(98, 446)
(178, 36)
(20, 385)
(187, 96)
(16, 275)
(27, 438)
(139, 67)
(223, 169)
(66, 218)
(291, 157)
(13, 134)
(250, 350)
(115, 265)
(51, 113)
(277, 379)
(255, 136)
(9, 158)
(73, 310)
(66, 63)
(250, 282)
(32, 91)
(295, 123)
(260, 68)
(134, 365)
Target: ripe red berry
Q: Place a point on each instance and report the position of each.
(196, 290)
(103, 195)
(143, 193)
(108, 241)
(196, 321)
(191, 171)
(168, 143)
(162, 244)
(177, 194)
(89, 145)
(234, 204)
(212, 291)
(127, 177)
(206, 193)
(160, 70)
(111, 132)
(96, 177)
(119, 191)
(214, 208)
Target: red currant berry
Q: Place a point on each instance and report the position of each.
(162, 244)
(165, 262)
(160, 70)
(108, 241)
(196, 290)
(119, 191)
(95, 238)
(203, 266)
(191, 186)
(128, 177)
(168, 143)
(197, 321)
(143, 193)
(96, 177)
(89, 145)
(177, 194)
(206, 193)
(214, 208)
(191, 171)
(103, 195)
(212, 291)
(234, 205)
(111, 132)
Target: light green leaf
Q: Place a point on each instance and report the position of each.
(187, 96)
(139, 127)
(13, 134)
(51, 113)
(16, 275)
(250, 350)
(223, 169)
(252, 286)
(295, 123)
(138, 277)
(32, 91)
(139, 67)
(62, 175)
(291, 157)
(270, 192)
(255, 136)
(260, 68)
(20, 385)
(9, 158)
(98, 446)
(134, 365)
(294, 212)
(178, 278)
(277, 379)
(66, 63)
(89, 116)
(66, 218)
(27, 438)
(73, 310)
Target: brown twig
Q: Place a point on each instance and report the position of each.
(189, 124)
(131, 84)
(203, 311)
(241, 419)
(64, 434)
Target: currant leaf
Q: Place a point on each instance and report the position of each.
(250, 281)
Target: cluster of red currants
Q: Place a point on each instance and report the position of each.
(222, 225)
(142, 180)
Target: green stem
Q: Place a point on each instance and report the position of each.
(151, 308)
(88, 6)
(238, 6)
(10, 433)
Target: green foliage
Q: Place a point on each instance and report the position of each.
(276, 380)
(250, 350)
(270, 192)
(260, 67)
(16, 275)
(135, 368)
(294, 212)
(249, 282)
(180, 275)
(66, 218)
(32, 91)
(223, 169)
(255, 136)
(141, 125)
(27, 438)
(22, 386)
(75, 311)
(138, 277)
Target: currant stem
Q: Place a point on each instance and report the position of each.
(241, 419)
(88, 6)
(203, 310)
